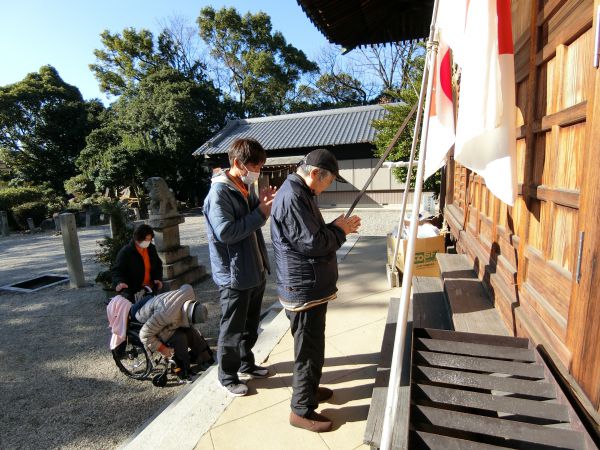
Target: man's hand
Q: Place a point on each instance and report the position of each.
(266, 197)
(167, 352)
(158, 284)
(121, 286)
(349, 225)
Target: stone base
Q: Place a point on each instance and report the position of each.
(190, 277)
(174, 255)
(167, 239)
(179, 267)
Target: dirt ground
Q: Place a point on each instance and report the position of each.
(59, 387)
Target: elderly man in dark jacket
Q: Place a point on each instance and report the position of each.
(306, 267)
(238, 256)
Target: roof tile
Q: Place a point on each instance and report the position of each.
(301, 130)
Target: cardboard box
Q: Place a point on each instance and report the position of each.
(425, 263)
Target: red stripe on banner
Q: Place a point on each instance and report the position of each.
(446, 75)
(505, 41)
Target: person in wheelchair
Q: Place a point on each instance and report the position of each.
(168, 327)
(137, 271)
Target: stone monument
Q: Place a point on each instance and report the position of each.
(179, 267)
(4, 223)
(72, 252)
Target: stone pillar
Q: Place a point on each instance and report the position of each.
(136, 212)
(113, 230)
(72, 253)
(88, 218)
(179, 267)
(30, 224)
(56, 218)
(4, 223)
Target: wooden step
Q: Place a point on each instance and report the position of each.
(428, 308)
(472, 391)
(471, 308)
(429, 304)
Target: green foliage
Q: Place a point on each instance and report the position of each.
(129, 57)
(167, 108)
(125, 59)
(14, 196)
(39, 202)
(262, 68)
(153, 133)
(330, 91)
(37, 211)
(43, 124)
(80, 187)
(342, 89)
(387, 127)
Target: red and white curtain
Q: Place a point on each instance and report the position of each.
(479, 32)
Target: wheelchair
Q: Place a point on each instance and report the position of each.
(133, 359)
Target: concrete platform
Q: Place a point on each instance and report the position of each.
(355, 325)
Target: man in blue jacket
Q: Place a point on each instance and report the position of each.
(238, 256)
(306, 267)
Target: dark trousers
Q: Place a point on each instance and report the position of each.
(240, 317)
(308, 329)
(182, 339)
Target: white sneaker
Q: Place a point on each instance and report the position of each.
(236, 389)
(256, 372)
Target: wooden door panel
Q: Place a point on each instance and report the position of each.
(527, 253)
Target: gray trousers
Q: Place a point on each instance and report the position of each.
(240, 317)
(308, 329)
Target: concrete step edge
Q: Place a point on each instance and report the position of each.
(181, 424)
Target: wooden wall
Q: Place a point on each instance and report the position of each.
(527, 254)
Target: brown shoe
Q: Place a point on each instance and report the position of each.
(313, 422)
(323, 394)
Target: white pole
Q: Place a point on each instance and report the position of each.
(413, 149)
(391, 405)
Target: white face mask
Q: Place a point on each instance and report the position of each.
(143, 244)
(250, 177)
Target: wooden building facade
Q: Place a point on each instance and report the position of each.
(541, 258)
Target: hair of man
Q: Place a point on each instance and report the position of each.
(141, 231)
(306, 169)
(246, 151)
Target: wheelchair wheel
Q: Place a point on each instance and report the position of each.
(160, 380)
(133, 360)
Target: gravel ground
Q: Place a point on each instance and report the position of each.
(59, 387)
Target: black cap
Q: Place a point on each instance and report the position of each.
(324, 159)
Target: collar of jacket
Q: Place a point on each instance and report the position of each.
(222, 178)
(295, 178)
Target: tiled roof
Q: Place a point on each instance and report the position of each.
(301, 130)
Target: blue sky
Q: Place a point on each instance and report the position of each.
(64, 33)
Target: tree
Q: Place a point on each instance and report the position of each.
(364, 76)
(342, 89)
(43, 125)
(153, 133)
(329, 91)
(262, 69)
(387, 127)
(167, 107)
(128, 57)
(388, 66)
(125, 59)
